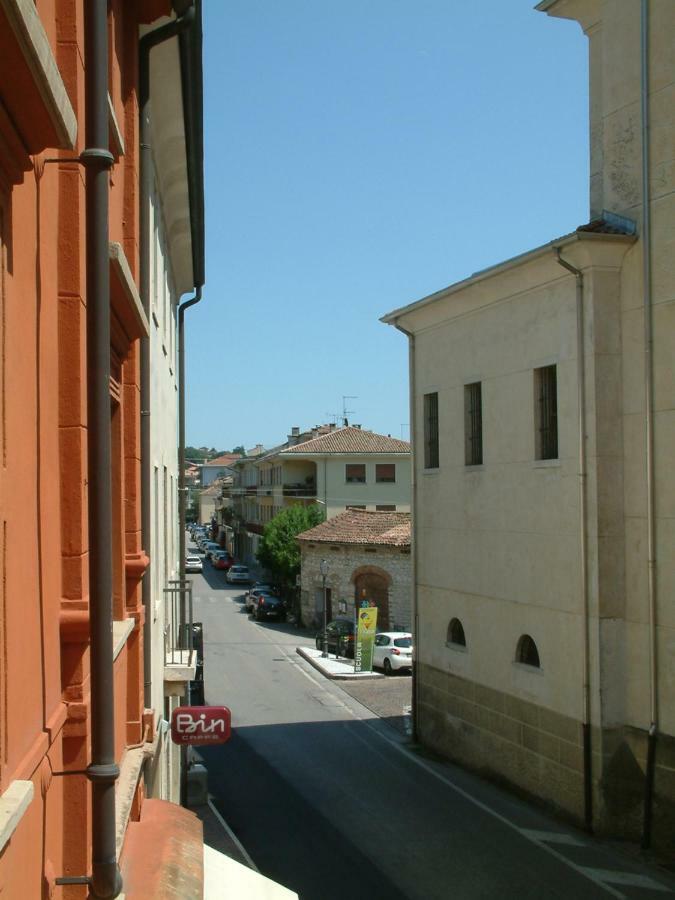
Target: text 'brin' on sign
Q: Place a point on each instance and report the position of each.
(200, 725)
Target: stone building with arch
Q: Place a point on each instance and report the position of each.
(368, 555)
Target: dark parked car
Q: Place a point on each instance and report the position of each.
(269, 607)
(340, 637)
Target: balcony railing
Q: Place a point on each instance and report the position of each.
(307, 489)
(178, 631)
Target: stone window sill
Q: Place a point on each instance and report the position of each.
(13, 804)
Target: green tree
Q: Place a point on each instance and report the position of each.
(279, 551)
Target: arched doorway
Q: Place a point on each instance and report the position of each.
(372, 584)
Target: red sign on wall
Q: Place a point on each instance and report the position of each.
(200, 725)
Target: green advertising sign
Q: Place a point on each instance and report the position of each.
(366, 626)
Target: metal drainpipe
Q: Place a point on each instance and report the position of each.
(413, 508)
(583, 540)
(181, 426)
(146, 43)
(106, 880)
(649, 431)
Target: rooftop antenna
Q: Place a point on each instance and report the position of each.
(346, 412)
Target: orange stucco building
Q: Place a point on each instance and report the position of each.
(47, 382)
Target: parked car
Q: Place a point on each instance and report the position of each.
(267, 606)
(393, 651)
(193, 564)
(238, 575)
(221, 559)
(211, 547)
(252, 596)
(340, 637)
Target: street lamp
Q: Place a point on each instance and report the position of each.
(323, 568)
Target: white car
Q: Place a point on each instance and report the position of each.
(393, 651)
(238, 575)
(194, 564)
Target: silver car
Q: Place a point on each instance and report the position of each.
(238, 575)
(194, 564)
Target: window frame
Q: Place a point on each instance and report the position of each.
(546, 436)
(473, 423)
(382, 480)
(431, 431)
(352, 479)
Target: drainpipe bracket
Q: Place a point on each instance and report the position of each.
(97, 154)
(103, 773)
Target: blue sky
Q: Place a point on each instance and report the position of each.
(359, 155)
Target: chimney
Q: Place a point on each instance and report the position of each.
(294, 436)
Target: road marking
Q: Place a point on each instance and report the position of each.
(631, 879)
(590, 874)
(554, 837)
(231, 834)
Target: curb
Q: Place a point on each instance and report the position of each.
(335, 676)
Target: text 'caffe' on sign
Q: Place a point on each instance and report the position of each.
(200, 725)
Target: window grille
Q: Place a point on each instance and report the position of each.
(456, 633)
(473, 424)
(546, 392)
(527, 652)
(431, 431)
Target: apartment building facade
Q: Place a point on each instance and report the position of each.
(337, 468)
(543, 494)
(82, 684)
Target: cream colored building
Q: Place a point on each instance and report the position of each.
(544, 647)
(338, 468)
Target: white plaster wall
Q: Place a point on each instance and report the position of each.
(163, 549)
(333, 489)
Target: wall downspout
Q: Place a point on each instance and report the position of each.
(146, 43)
(583, 542)
(102, 771)
(649, 429)
(181, 427)
(413, 549)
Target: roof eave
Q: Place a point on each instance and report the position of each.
(512, 263)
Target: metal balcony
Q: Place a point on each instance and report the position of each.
(179, 654)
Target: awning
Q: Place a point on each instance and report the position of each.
(223, 877)
(163, 854)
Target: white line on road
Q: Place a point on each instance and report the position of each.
(528, 834)
(631, 879)
(553, 837)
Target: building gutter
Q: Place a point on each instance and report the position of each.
(181, 428)
(649, 429)
(413, 540)
(498, 269)
(105, 880)
(583, 541)
(146, 43)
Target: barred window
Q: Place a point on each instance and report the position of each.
(527, 653)
(546, 412)
(431, 431)
(456, 633)
(473, 424)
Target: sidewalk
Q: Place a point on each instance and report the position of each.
(332, 666)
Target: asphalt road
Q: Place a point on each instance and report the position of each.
(330, 801)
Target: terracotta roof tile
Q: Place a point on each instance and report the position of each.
(225, 460)
(358, 526)
(350, 440)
